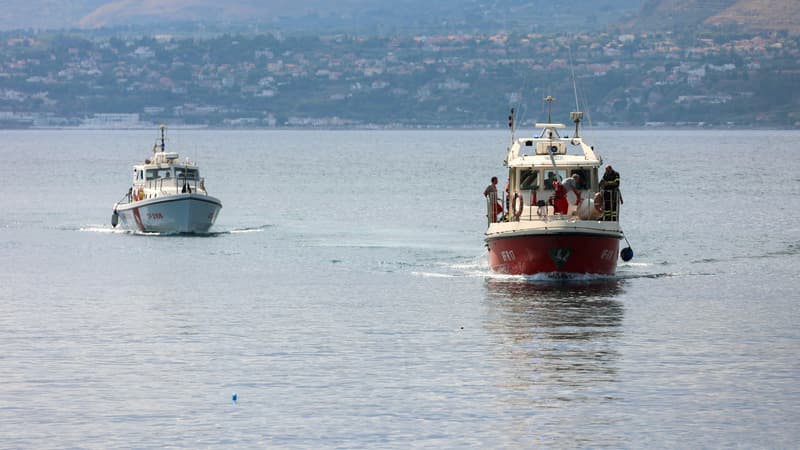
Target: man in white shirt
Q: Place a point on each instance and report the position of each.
(571, 185)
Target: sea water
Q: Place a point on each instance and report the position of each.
(344, 298)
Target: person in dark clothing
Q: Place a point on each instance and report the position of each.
(611, 197)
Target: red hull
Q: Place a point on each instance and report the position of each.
(545, 253)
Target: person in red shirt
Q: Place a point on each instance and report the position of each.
(560, 203)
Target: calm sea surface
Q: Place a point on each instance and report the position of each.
(344, 297)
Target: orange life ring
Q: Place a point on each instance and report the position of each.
(518, 201)
(139, 194)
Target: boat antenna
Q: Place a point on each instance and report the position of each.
(512, 123)
(549, 99)
(572, 72)
(576, 115)
(163, 136)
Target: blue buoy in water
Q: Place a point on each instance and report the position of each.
(626, 254)
(234, 397)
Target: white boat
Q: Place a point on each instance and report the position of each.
(167, 196)
(542, 228)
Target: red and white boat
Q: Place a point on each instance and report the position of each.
(536, 234)
(167, 196)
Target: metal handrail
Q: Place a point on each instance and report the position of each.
(607, 215)
(491, 200)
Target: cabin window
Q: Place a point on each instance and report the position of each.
(529, 180)
(553, 175)
(151, 174)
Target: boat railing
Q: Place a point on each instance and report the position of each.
(544, 211)
(494, 208)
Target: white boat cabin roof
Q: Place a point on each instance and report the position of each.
(164, 165)
(164, 160)
(549, 149)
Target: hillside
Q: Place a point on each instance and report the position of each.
(295, 80)
(320, 16)
(744, 15)
(663, 14)
(400, 17)
(121, 12)
(45, 14)
(759, 15)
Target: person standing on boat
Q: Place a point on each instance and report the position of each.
(611, 197)
(491, 198)
(560, 203)
(571, 186)
(597, 208)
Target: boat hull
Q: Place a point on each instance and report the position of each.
(181, 213)
(553, 252)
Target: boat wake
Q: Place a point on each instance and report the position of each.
(557, 277)
(107, 229)
(478, 267)
(475, 267)
(246, 230)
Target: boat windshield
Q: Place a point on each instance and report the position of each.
(585, 182)
(156, 174)
(553, 175)
(191, 174)
(530, 179)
